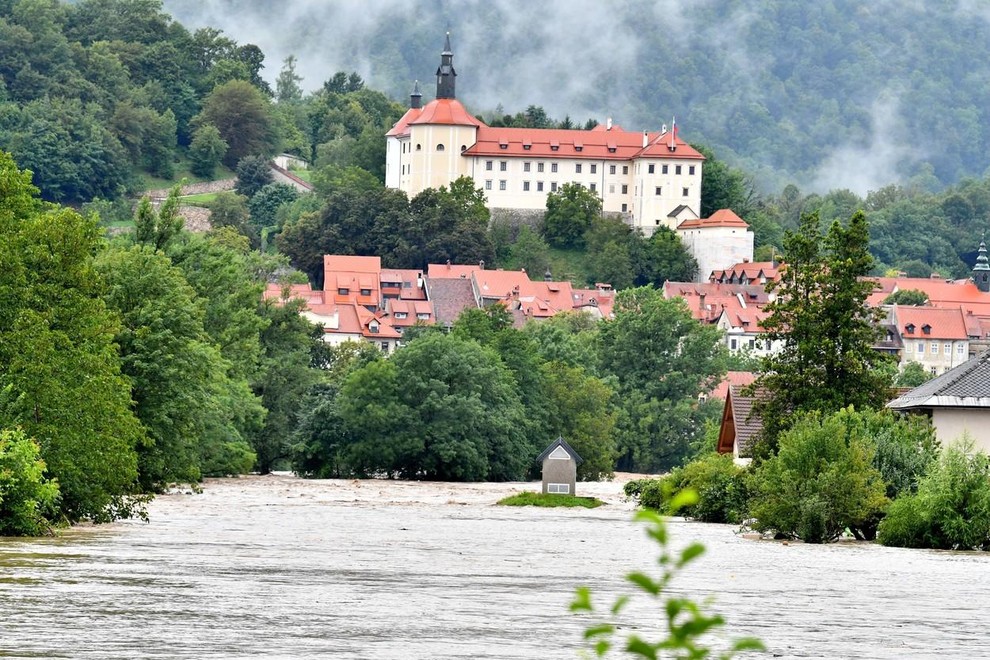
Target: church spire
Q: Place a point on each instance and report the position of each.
(445, 72)
(981, 271)
(416, 98)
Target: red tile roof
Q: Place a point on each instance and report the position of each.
(912, 322)
(614, 144)
(737, 379)
(939, 291)
(446, 112)
(750, 270)
(450, 271)
(721, 218)
(349, 262)
(402, 126)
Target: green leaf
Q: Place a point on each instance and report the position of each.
(620, 603)
(641, 648)
(685, 498)
(690, 553)
(644, 582)
(582, 600)
(602, 646)
(601, 629)
(746, 644)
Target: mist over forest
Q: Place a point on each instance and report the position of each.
(828, 94)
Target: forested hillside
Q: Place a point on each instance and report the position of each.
(826, 94)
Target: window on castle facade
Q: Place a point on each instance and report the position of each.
(664, 169)
(539, 167)
(677, 169)
(553, 167)
(594, 168)
(539, 186)
(526, 167)
(625, 169)
(525, 186)
(503, 165)
(650, 170)
(501, 184)
(684, 191)
(659, 189)
(625, 189)
(593, 187)
(611, 169)
(691, 170)
(488, 184)
(488, 165)
(553, 186)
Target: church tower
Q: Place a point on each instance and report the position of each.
(981, 271)
(446, 73)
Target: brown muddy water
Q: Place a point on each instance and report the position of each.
(284, 568)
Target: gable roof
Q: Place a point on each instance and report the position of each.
(912, 322)
(740, 427)
(965, 386)
(402, 126)
(560, 442)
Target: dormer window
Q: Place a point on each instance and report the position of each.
(527, 145)
(401, 315)
(578, 146)
(554, 145)
(365, 292)
(503, 143)
(611, 149)
(927, 329)
(343, 291)
(422, 316)
(909, 328)
(373, 327)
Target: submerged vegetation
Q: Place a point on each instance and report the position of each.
(550, 500)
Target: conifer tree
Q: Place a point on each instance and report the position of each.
(820, 318)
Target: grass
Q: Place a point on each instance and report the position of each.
(202, 199)
(305, 175)
(570, 265)
(539, 499)
(182, 172)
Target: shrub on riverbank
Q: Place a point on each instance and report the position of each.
(27, 498)
(822, 480)
(950, 511)
(720, 484)
(550, 500)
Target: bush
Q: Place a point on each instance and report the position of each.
(719, 482)
(822, 480)
(951, 509)
(27, 498)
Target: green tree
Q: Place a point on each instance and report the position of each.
(662, 359)
(287, 87)
(158, 228)
(287, 374)
(265, 204)
(951, 509)
(229, 209)
(206, 151)
(242, 115)
(663, 257)
(912, 375)
(442, 408)
(177, 376)
(820, 318)
(570, 213)
(27, 497)
(912, 297)
(821, 481)
(530, 252)
(724, 187)
(253, 174)
(579, 408)
(59, 371)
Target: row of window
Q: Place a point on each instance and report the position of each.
(419, 147)
(593, 187)
(934, 348)
(503, 166)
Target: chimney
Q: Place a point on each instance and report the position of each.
(646, 139)
(701, 305)
(548, 276)
(481, 264)
(608, 123)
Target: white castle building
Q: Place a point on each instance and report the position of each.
(652, 179)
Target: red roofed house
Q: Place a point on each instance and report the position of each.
(652, 178)
(745, 272)
(717, 242)
(936, 338)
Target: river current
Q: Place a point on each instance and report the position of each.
(284, 568)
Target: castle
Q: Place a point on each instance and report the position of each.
(651, 179)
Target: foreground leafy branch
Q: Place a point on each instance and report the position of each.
(685, 621)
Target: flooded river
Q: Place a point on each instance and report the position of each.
(284, 568)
